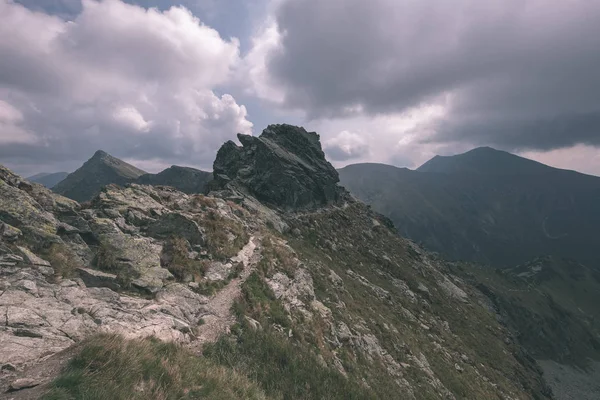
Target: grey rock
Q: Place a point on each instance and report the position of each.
(23, 383)
(343, 332)
(31, 258)
(95, 278)
(9, 233)
(64, 228)
(8, 367)
(152, 279)
(46, 271)
(285, 167)
(27, 285)
(11, 258)
(176, 224)
(218, 271)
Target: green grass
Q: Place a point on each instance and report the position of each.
(175, 251)
(112, 368)
(217, 230)
(105, 258)
(62, 260)
(282, 369)
(258, 301)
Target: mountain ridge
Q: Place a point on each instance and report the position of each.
(485, 160)
(104, 169)
(313, 287)
(476, 216)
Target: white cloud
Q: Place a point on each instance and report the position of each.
(346, 146)
(393, 138)
(115, 71)
(131, 118)
(580, 158)
(10, 126)
(9, 114)
(254, 75)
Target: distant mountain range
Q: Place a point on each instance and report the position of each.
(48, 179)
(486, 206)
(103, 169)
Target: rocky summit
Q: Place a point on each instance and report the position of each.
(285, 167)
(276, 285)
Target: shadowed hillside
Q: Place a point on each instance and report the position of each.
(486, 206)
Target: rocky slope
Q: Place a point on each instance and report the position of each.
(306, 285)
(486, 206)
(551, 306)
(100, 170)
(550, 303)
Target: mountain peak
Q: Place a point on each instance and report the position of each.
(100, 154)
(100, 170)
(284, 166)
(484, 160)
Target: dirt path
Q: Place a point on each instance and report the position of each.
(218, 318)
(42, 373)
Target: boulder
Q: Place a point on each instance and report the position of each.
(23, 383)
(175, 224)
(31, 258)
(95, 278)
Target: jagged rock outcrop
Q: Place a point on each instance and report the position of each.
(285, 167)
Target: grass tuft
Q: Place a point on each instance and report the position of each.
(110, 367)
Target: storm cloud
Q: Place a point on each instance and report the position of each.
(518, 74)
(392, 81)
(139, 83)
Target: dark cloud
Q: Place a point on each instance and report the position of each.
(514, 73)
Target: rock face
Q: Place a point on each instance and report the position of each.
(285, 166)
(100, 170)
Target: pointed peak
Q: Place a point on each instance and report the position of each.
(100, 154)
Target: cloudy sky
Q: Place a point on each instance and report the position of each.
(160, 82)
